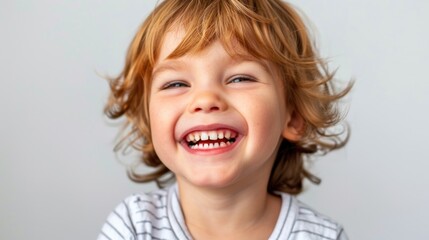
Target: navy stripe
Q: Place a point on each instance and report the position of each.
(313, 233)
(286, 218)
(129, 216)
(153, 204)
(293, 225)
(174, 215)
(306, 211)
(116, 230)
(151, 213)
(123, 221)
(151, 236)
(152, 226)
(319, 224)
(159, 194)
(340, 233)
(105, 235)
(170, 207)
(311, 212)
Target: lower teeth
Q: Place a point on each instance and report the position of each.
(193, 145)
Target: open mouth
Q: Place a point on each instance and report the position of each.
(211, 139)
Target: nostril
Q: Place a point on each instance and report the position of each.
(211, 109)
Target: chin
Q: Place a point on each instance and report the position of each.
(212, 180)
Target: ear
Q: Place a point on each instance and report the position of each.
(294, 127)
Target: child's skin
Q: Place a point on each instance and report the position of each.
(223, 190)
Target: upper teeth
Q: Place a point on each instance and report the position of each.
(212, 135)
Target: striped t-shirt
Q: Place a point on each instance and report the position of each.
(158, 215)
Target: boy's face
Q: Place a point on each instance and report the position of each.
(215, 121)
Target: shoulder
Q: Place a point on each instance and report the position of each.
(139, 216)
(148, 204)
(310, 224)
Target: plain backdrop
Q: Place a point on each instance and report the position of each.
(59, 177)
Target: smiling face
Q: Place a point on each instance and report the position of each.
(215, 120)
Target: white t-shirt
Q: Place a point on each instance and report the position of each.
(158, 215)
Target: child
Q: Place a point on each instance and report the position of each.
(226, 97)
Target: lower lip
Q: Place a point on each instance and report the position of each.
(212, 151)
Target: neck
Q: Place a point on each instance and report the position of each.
(232, 211)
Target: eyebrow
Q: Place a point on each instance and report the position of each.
(177, 64)
(240, 58)
(173, 65)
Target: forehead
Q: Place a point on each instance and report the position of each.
(171, 48)
(171, 41)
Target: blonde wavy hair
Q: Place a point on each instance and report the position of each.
(269, 30)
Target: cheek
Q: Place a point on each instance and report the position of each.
(266, 117)
(267, 111)
(267, 124)
(163, 117)
(159, 124)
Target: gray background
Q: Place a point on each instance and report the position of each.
(59, 177)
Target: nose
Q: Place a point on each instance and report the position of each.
(207, 101)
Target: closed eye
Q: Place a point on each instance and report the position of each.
(239, 79)
(174, 84)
